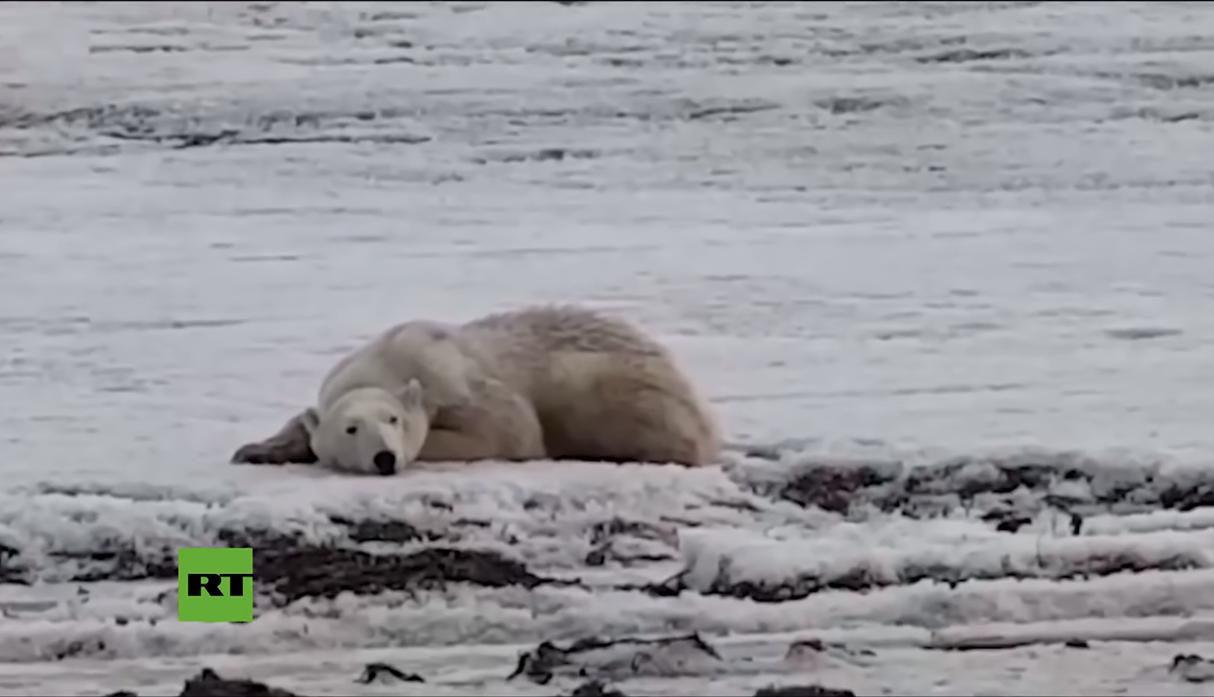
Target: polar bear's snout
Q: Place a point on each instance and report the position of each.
(369, 430)
(385, 462)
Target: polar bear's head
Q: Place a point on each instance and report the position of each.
(370, 430)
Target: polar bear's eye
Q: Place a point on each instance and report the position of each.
(392, 420)
(351, 429)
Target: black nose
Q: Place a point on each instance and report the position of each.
(385, 462)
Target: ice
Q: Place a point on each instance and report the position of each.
(942, 269)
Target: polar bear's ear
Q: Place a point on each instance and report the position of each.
(310, 420)
(411, 394)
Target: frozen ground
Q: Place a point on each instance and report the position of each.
(942, 267)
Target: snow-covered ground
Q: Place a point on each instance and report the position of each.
(942, 267)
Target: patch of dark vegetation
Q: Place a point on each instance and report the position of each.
(261, 540)
(289, 567)
(554, 154)
(1006, 521)
(327, 571)
(802, 691)
(121, 562)
(595, 688)
(384, 672)
(668, 588)
(78, 647)
(854, 105)
(598, 658)
(194, 140)
(1187, 498)
(1171, 82)
(984, 477)
(392, 16)
(966, 55)
(1006, 491)
(382, 530)
(148, 49)
(608, 539)
(607, 552)
(861, 578)
(616, 526)
(388, 60)
(1142, 333)
(9, 571)
(158, 48)
(832, 488)
(801, 648)
(140, 123)
(728, 110)
(1172, 118)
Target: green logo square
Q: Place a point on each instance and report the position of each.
(215, 584)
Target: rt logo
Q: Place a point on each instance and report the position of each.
(215, 584)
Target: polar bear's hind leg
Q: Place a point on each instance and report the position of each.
(640, 409)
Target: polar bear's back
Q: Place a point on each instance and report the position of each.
(559, 328)
(427, 351)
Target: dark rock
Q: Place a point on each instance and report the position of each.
(1076, 523)
(1183, 659)
(815, 645)
(597, 556)
(374, 671)
(594, 657)
(208, 684)
(1192, 668)
(79, 647)
(1013, 524)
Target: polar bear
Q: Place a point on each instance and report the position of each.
(558, 382)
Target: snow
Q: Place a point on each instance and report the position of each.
(962, 245)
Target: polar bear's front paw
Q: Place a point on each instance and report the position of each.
(290, 444)
(274, 452)
(255, 454)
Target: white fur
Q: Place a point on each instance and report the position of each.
(560, 382)
(361, 424)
